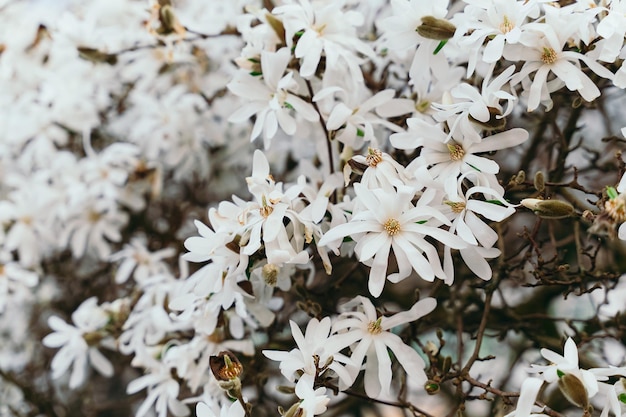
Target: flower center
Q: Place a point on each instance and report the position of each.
(548, 56)
(506, 26)
(270, 274)
(422, 106)
(374, 326)
(616, 208)
(392, 227)
(456, 151)
(265, 209)
(374, 157)
(456, 206)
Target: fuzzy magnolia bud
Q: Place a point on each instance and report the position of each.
(574, 390)
(539, 181)
(549, 209)
(437, 29)
(520, 177)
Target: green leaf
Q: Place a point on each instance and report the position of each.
(360, 133)
(560, 373)
(256, 73)
(622, 397)
(440, 46)
(611, 192)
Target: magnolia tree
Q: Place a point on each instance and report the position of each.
(312, 207)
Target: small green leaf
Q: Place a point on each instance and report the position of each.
(289, 106)
(560, 373)
(421, 222)
(360, 133)
(611, 192)
(622, 397)
(256, 73)
(440, 46)
(474, 167)
(496, 202)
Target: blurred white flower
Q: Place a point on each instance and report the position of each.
(79, 342)
(271, 99)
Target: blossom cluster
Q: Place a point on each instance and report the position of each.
(376, 134)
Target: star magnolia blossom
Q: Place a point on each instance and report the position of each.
(543, 50)
(449, 159)
(370, 338)
(271, 100)
(388, 220)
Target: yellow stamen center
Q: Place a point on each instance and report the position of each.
(506, 26)
(456, 151)
(265, 209)
(456, 206)
(392, 227)
(548, 56)
(616, 208)
(374, 326)
(374, 156)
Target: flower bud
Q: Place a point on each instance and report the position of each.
(539, 181)
(437, 29)
(549, 209)
(520, 177)
(225, 366)
(96, 56)
(574, 390)
(431, 387)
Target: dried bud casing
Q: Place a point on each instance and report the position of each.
(494, 123)
(277, 26)
(574, 390)
(437, 29)
(549, 209)
(225, 366)
(520, 177)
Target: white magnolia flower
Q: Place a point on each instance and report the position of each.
(163, 392)
(388, 220)
(312, 401)
(370, 338)
(316, 352)
(451, 158)
(542, 49)
(234, 410)
(527, 398)
(324, 29)
(271, 100)
(76, 343)
(463, 211)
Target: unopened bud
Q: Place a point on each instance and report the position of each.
(285, 389)
(96, 56)
(437, 29)
(431, 348)
(520, 177)
(539, 181)
(574, 390)
(431, 387)
(548, 209)
(446, 365)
